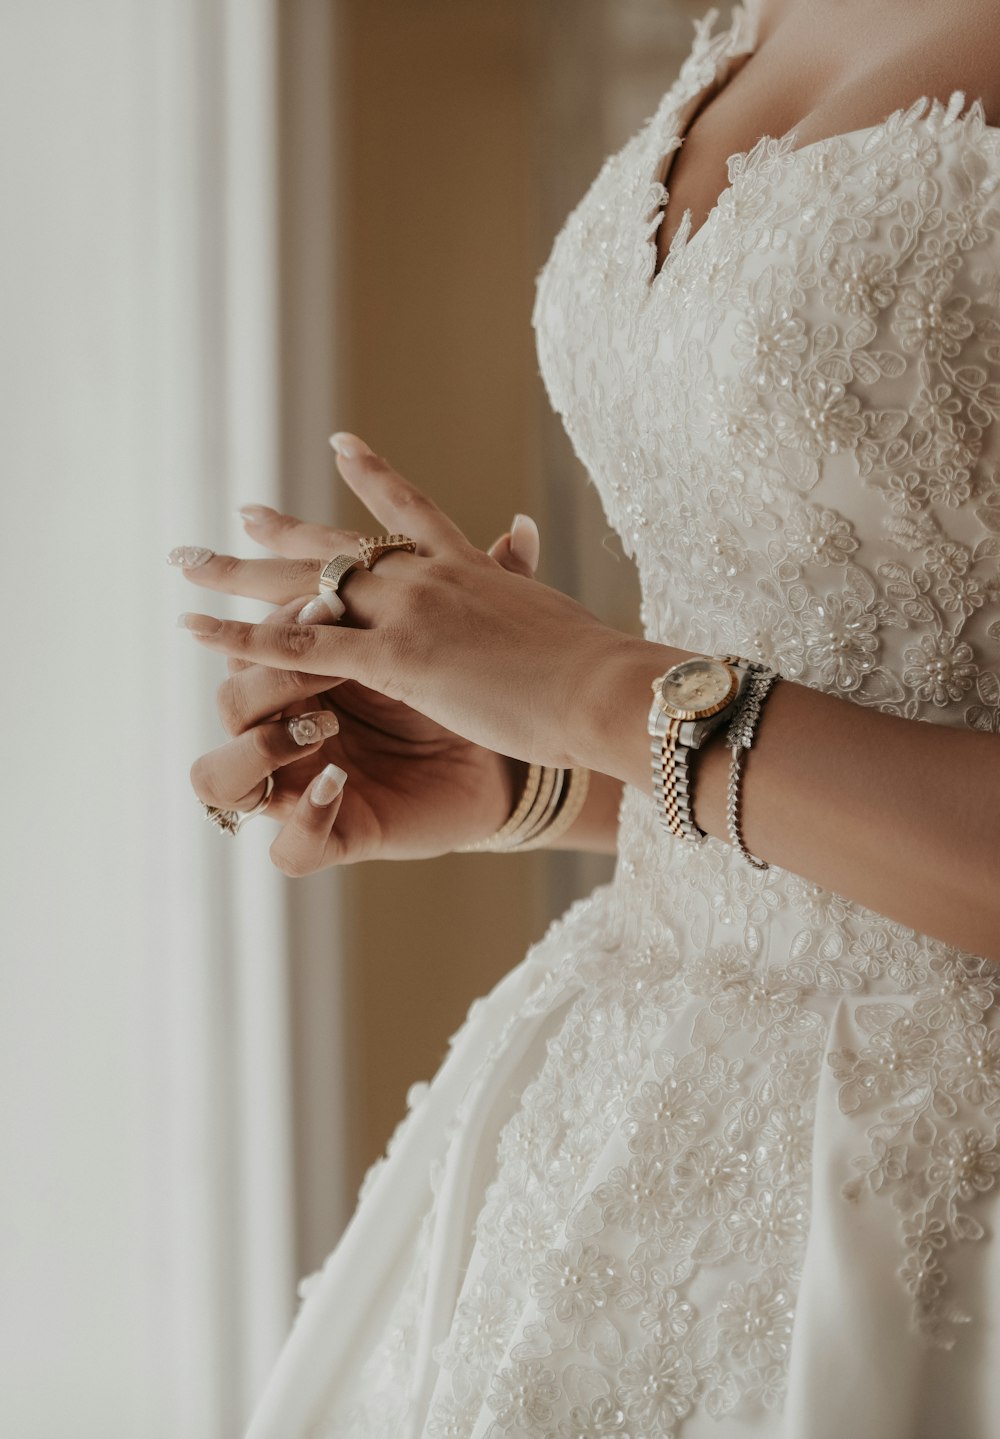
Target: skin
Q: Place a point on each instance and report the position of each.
(829, 789)
(827, 67)
(417, 789)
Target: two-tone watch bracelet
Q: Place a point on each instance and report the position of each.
(549, 803)
(739, 737)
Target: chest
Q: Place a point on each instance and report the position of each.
(811, 77)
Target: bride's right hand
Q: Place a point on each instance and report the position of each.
(413, 788)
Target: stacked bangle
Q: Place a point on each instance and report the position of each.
(549, 803)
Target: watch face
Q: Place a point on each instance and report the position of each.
(697, 687)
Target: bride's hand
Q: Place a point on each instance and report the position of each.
(415, 790)
(508, 663)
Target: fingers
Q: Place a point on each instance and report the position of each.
(255, 693)
(276, 617)
(279, 581)
(308, 840)
(232, 776)
(315, 649)
(394, 501)
(294, 538)
(518, 551)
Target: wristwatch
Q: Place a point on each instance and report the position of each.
(690, 702)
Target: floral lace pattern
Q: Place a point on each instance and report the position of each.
(792, 428)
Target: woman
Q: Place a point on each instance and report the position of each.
(721, 1156)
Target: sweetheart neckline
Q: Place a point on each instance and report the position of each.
(748, 14)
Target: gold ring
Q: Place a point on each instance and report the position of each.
(373, 547)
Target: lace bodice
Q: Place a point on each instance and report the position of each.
(724, 1126)
(791, 426)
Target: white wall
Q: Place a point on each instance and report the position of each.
(146, 1220)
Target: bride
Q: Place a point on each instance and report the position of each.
(721, 1156)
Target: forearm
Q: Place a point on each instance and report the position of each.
(898, 815)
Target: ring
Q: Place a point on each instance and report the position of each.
(231, 820)
(373, 547)
(335, 571)
(331, 576)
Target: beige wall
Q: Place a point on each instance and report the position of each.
(465, 130)
(441, 376)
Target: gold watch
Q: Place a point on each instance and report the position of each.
(690, 702)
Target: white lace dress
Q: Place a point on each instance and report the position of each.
(721, 1156)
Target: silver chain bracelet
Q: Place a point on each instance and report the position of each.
(739, 737)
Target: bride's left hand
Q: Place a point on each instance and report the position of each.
(502, 660)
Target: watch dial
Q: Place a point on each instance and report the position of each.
(697, 685)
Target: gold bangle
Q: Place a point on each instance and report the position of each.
(512, 835)
(521, 811)
(575, 793)
(541, 811)
(550, 803)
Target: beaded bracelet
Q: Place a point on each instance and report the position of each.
(739, 737)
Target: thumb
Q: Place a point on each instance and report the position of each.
(518, 551)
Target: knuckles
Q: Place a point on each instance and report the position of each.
(295, 641)
(242, 703)
(300, 575)
(232, 702)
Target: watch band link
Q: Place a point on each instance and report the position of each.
(672, 786)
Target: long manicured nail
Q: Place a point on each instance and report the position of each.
(524, 541)
(349, 445)
(320, 610)
(256, 514)
(189, 557)
(308, 728)
(199, 624)
(327, 785)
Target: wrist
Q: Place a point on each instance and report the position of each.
(614, 705)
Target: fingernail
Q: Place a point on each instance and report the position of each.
(256, 514)
(199, 624)
(319, 610)
(327, 785)
(524, 540)
(189, 557)
(308, 728)
(349, 445)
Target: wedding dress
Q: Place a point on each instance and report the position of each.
(721, 1156)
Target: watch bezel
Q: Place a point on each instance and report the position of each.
(674, 711)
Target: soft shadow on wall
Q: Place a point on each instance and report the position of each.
(464, 132)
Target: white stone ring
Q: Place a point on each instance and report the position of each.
(230, 821)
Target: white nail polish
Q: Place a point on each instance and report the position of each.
(189, 557)
(320, 610)
(349, 445)
(327, 785)
(198, 624)
(524, 540)
(308, 728)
